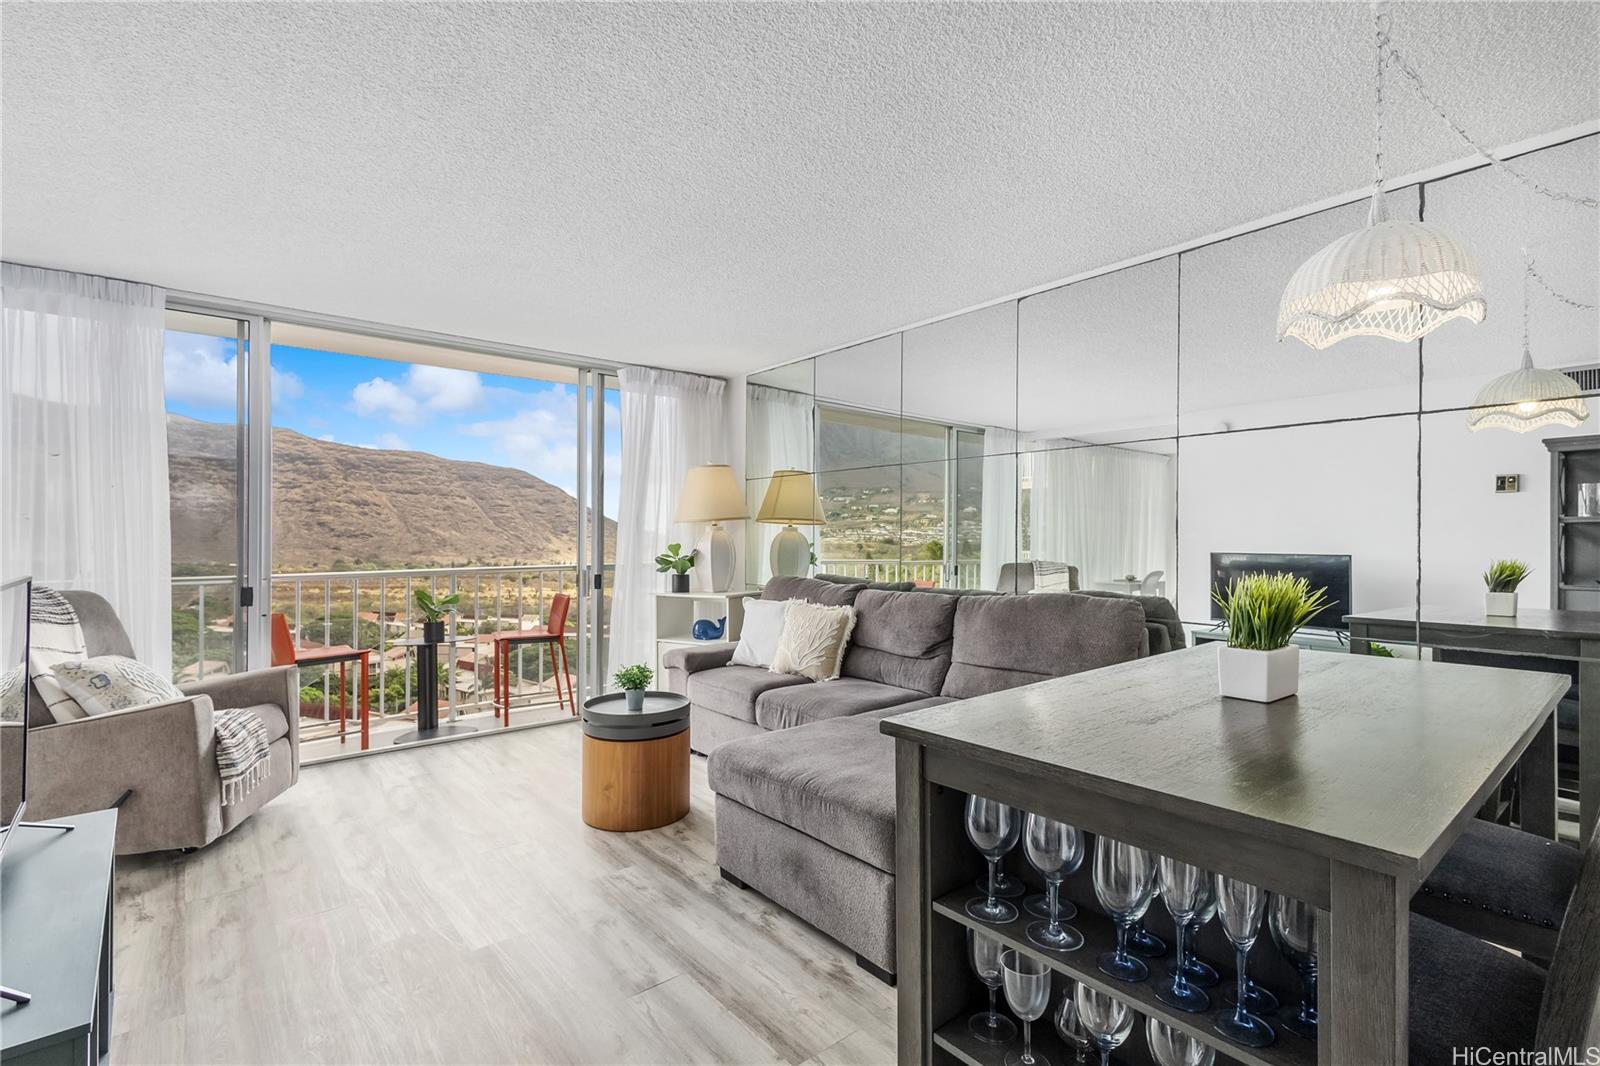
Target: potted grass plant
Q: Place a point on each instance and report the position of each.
(676, 563)
(434, 610)
(1263, 612)
(633, 680)
(1501, 581)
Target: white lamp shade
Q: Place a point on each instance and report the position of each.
(791, 500)
(1527, 398)
(1394, 278)
(711, 494)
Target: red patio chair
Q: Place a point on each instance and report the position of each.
(553, 633)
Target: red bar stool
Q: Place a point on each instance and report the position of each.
(286, 653)
(552, 633)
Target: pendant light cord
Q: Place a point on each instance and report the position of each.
(1533, 272)
(1388, 53)
(1379, 210)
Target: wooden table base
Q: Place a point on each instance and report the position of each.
(630, 785)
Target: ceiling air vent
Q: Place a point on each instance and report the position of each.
(1587, 377)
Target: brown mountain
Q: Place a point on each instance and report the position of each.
(336, 506)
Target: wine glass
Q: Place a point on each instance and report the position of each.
(1124, 881)
(1293, 924)
(1038, 904)
(1070, 1028)
(1108, 1019)
(1200, 973)
(1027, 981)
(993, 829)
(1183, 887)
(1239, 907)
(1174, 1047)
(1143, 942)
(990, 1025)
(1051, 847)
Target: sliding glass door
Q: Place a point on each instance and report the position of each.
(206, 361)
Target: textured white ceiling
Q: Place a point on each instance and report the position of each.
(717, 187)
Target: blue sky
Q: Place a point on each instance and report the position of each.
(377, 403)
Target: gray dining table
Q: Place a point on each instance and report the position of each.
(1344, 796)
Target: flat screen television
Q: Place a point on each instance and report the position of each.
(15, 600)
(1321, 571)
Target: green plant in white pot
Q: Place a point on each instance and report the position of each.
(633, 680)
(1501, 580)
(1263, 612)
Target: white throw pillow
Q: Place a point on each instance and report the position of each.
(760, 632)
(113, 683)
(814, 640)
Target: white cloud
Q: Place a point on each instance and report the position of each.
(196, 372)
(540, 438)
(443, 389)
(328, 437)
(392, 442)
(382, 397)
(423, 390)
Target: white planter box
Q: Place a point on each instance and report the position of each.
(1500, 604)
(1261, 676)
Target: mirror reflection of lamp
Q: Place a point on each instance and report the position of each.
(791, 501)
(711, 494)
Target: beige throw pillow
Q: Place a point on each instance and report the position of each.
(814, 640)
(113, 683)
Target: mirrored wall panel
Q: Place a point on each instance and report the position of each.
(1144, 430)
(1499, 219)
(1098, 360)
(1233, 371)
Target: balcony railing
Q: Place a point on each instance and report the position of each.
(962, 573)
(374, 608)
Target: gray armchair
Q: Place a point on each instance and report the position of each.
(162, 754)
(1018, 577)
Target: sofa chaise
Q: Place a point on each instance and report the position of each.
(804, 780)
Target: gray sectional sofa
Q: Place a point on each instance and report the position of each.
(803, 777)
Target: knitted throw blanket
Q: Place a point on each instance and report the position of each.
(244, 755)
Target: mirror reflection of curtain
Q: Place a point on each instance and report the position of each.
(782, 431)
(1107, 511)
(998, 540)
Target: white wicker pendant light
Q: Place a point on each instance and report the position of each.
(1528, 397)
(1394, 278)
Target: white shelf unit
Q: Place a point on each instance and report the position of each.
(676, 613)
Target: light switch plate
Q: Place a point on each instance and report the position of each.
(1508, 483)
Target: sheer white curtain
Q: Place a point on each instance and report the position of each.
(998, 540)
(781, 425)
(84, 502)
(670, 422)
(1107, 511)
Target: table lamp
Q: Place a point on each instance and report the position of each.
(791, 500)
(711, 494)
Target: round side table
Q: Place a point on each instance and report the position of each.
(635, 763)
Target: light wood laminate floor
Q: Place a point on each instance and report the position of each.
(447, 904)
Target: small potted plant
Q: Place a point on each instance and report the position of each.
(434, 611)
(1502, 579)
(677, 564)
(633, 680)
(1263, 612)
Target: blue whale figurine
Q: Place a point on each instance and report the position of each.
(706, 629)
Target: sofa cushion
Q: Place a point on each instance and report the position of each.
(732, 690)
(789, 707)
(271, 716)
(1005, 641)
(1158, 613)
(811, 590)
(831, 780)
(902, 639)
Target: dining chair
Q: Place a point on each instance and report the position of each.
(285, 652)
(1152, 583)
(552, 634)
(1467, 993)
